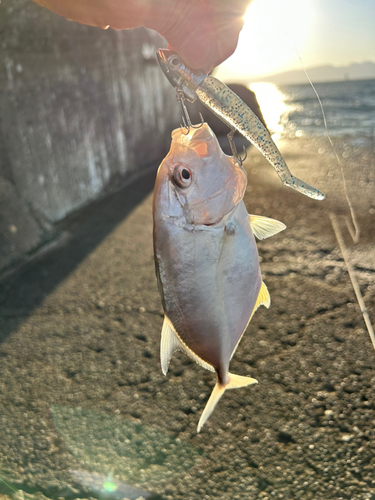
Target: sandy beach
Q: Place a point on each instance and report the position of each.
(81, 390)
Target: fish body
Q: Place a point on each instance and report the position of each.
(233, 111)
(206, 256)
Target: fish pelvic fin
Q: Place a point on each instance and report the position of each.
(235, 381)
(170, 343)
(264, 227)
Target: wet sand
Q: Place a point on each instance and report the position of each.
(81, 390)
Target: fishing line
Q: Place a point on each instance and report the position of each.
(336, 228)
(353, 279)
(354, 230)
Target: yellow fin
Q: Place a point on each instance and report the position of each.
(263, 299)
(171, 342)
(235, 381)
(168, 345)
(264, 227)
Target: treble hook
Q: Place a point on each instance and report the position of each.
(234, 149)
(241, 160)
(185, 114)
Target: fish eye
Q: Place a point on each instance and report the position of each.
(182, 176)
(175, 62)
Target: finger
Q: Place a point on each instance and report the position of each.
(227, 40)
(103, 13)
(199, 49)
(205, 38)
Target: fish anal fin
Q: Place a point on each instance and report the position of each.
(170, 343)
(264, 227)
(235, 381)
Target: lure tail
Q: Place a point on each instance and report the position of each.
(227, 106)
(304, 188)
(235, 381)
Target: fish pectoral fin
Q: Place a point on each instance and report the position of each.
(235, 381)
(171, 342)
(264, 227)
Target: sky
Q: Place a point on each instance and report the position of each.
(334, 32)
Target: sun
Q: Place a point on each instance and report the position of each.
(275, 31)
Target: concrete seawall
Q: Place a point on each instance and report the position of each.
(81, 109)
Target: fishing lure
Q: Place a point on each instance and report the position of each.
(215, 95)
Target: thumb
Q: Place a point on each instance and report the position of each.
(198, 49)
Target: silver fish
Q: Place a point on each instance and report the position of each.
(222, 101)
(206, 256)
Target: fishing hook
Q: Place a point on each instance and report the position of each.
(185, 114)
(234, 149)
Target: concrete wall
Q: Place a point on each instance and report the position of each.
(80, 110)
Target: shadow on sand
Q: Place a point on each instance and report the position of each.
(24, 290)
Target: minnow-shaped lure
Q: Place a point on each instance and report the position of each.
(206, 257)
(223, 102)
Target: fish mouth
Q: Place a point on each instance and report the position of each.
(214, 223)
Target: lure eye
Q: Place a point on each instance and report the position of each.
(182, 176)
(175, 63)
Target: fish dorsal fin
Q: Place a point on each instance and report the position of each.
(264, 227)
(263, 299)
(171, 342)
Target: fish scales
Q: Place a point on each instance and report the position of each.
(203, 284)
(206, 257)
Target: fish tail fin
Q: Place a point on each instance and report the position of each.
(216, 394)
(235, 381)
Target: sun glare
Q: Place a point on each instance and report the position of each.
(273, 30)
(273, 106)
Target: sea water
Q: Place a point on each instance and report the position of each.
(349, 108)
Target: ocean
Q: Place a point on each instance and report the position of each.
(294, 110)
(294, 116)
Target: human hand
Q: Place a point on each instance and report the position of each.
(203, 32)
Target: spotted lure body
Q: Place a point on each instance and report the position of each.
(222, 101)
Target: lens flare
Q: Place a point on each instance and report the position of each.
(272, 32)
(109, 486)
